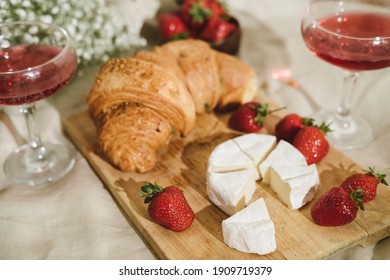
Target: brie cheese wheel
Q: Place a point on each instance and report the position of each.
(256, 146)
(231, 191)
(227, 156)
(295, 185)
(284, 154)
(251, 230)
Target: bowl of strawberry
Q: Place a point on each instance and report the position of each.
(208, 20)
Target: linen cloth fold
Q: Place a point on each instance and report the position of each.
(73, 218)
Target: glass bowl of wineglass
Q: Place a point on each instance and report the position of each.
(36, 61)
(355, 36)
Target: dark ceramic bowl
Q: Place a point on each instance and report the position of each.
(231, 44)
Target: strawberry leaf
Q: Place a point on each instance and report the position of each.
(358, 197)
(379, 176)
(325, 128)
(308, 121)
(180, 36)
(262, 112)
(149, 190)
(198, 13)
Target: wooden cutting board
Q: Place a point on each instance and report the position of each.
(184, 164)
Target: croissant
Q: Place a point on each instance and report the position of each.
(200, 66)
(140, 103)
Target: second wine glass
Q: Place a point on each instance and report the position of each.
(353, 35)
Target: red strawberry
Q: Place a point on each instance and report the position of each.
(249, 117)
(217, 29)
(288, 127)
(311, 142)
(195, 13)
(336, 207)
(367, 182)
(168, 206)
(219, 8)
(172, 27)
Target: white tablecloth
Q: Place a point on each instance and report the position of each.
(76, 217)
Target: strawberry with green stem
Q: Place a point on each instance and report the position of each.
(195, 13)
(168, 206)
(367, 182)
(337, 207)
(250, 117)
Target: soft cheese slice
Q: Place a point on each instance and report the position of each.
(231, 191)
(227, 156)
(251, 230)
(256, 146)
(295, 185)
(284, 154)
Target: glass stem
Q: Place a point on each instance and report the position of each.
(344, 110)
(38, 152)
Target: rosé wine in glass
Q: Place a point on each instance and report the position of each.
(351, 53)
(20, 87)
(36, 61)
(355, 36)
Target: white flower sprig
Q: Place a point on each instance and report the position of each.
(93, 24)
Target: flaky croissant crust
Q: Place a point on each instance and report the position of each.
(138, 103)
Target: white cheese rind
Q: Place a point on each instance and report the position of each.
(256, 146)
(231, 191)
(284, 154)
(226, 157)
(251, 230)
(295, 185)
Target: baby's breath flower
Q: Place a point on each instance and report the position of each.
(93, 24)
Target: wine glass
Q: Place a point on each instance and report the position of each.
(355, 36)
(36, 61)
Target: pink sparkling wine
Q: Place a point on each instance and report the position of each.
(364, 44)
(47, 73)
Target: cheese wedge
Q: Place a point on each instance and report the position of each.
(256, 146)
(295, 185)
(231, 191)
(284, 154)
(251, 230)
(227, 156)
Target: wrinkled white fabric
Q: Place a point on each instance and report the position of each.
(73, 218)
